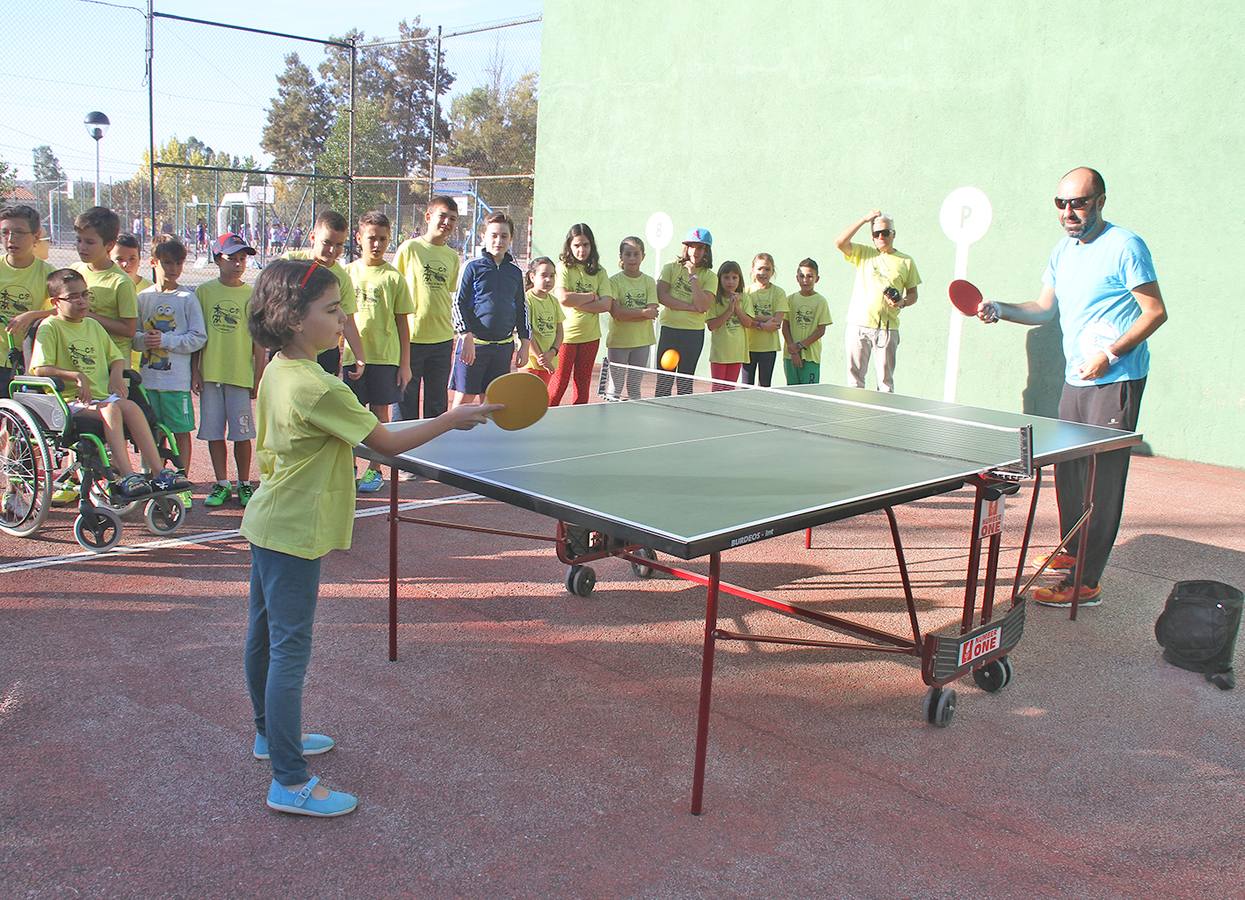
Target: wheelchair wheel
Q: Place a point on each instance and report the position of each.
(104, 536)
(25, 472)
(164, 515)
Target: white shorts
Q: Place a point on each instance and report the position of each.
(79, 406)
(225, 403)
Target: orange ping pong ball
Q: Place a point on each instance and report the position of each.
(670, 360)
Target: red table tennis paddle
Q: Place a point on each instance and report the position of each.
(965, 296)
(524, 397)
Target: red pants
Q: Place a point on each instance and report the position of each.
(575, 361)
(724, 372)
(543, 374)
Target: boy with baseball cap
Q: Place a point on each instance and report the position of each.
(226, 372)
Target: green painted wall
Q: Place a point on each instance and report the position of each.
(776, 131)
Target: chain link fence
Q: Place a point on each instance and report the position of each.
(256, 131)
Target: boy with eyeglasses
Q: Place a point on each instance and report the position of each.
(885, 283)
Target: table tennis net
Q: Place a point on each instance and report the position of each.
(1006, 450)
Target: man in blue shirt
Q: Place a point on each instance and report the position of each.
(1101, 280)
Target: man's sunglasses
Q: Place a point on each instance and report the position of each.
(884, 233)
(1075, 202)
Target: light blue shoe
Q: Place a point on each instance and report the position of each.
(313, 745)
(371, 482)
(301, 803)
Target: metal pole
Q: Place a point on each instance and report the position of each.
(432, 128)
(97, 171)
(151, 107)
(350, 156)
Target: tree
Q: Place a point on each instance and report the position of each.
(299, 118)
(397, 79)
(372, 153)
(47, 167)
(8, 177)
(493, 132)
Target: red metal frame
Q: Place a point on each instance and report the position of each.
(924, 647)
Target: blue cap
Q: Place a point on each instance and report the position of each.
(699, 236)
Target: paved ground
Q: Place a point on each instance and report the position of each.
(529, 742)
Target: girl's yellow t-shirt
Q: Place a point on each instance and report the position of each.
(680, 283)
(308, 424)
(543, 315)
(766, 302)
(582, 327)
(633, 294)
(729, 344)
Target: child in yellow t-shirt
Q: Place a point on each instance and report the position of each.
(75, 348)
(225, 373)
(114, 302)
(769, 306)
(544, 316)
(328, 240)
(309, 421)
(631, 334)
(728, 319)
(584, 290)
(808, 315)
(685, 288)
(127, 254)
(382, 311)
(23, 283)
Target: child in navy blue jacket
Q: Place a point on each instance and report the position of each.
(489, 311)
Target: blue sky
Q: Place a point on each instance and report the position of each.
(211, 83)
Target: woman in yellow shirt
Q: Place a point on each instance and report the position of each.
(308, 424)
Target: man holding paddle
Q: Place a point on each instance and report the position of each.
(885, 283)
(1101, 280)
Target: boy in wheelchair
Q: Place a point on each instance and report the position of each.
(76, 349)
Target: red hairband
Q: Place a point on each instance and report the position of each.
(303, 283)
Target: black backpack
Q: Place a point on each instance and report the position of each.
(1197, 629)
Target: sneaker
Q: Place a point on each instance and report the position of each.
(313, 745)
(371, 482)
(14, 509)
(169, 480)
(301, 803)
(245, 492)
(1061, 595)
(1058, 562)
(134, 485)
(405, 475)
(66, 495)
(219, 494)
(188, 499)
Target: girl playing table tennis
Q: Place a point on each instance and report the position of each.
(308, 422)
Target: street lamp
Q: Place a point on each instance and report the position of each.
(96, 124)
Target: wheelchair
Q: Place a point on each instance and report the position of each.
(43, 447)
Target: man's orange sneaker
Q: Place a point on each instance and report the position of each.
(1058, 562)
(1061, 595)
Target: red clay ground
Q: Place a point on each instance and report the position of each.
(529, 742)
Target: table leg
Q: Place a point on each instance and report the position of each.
(393, 563)
(706, 681)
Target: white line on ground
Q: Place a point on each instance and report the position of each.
(206, 537)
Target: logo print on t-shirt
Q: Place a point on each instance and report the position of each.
(225, 317)
(363, 300)
(804, 317)
(13, 300)
(82, 356)
(163, 320)
(435, 275)
(636, 300)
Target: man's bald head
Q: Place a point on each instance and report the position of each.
(1084, 180)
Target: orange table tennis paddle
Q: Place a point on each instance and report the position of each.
(524, 397)
(965, 296)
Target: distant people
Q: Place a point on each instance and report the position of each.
(1101, 280)
(885, 283)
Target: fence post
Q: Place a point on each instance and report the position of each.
(432, 129)
(354, 51)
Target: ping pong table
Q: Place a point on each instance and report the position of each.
(637, 478)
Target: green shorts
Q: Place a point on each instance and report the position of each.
(173, 410)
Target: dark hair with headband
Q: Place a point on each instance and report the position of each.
(284, 291)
